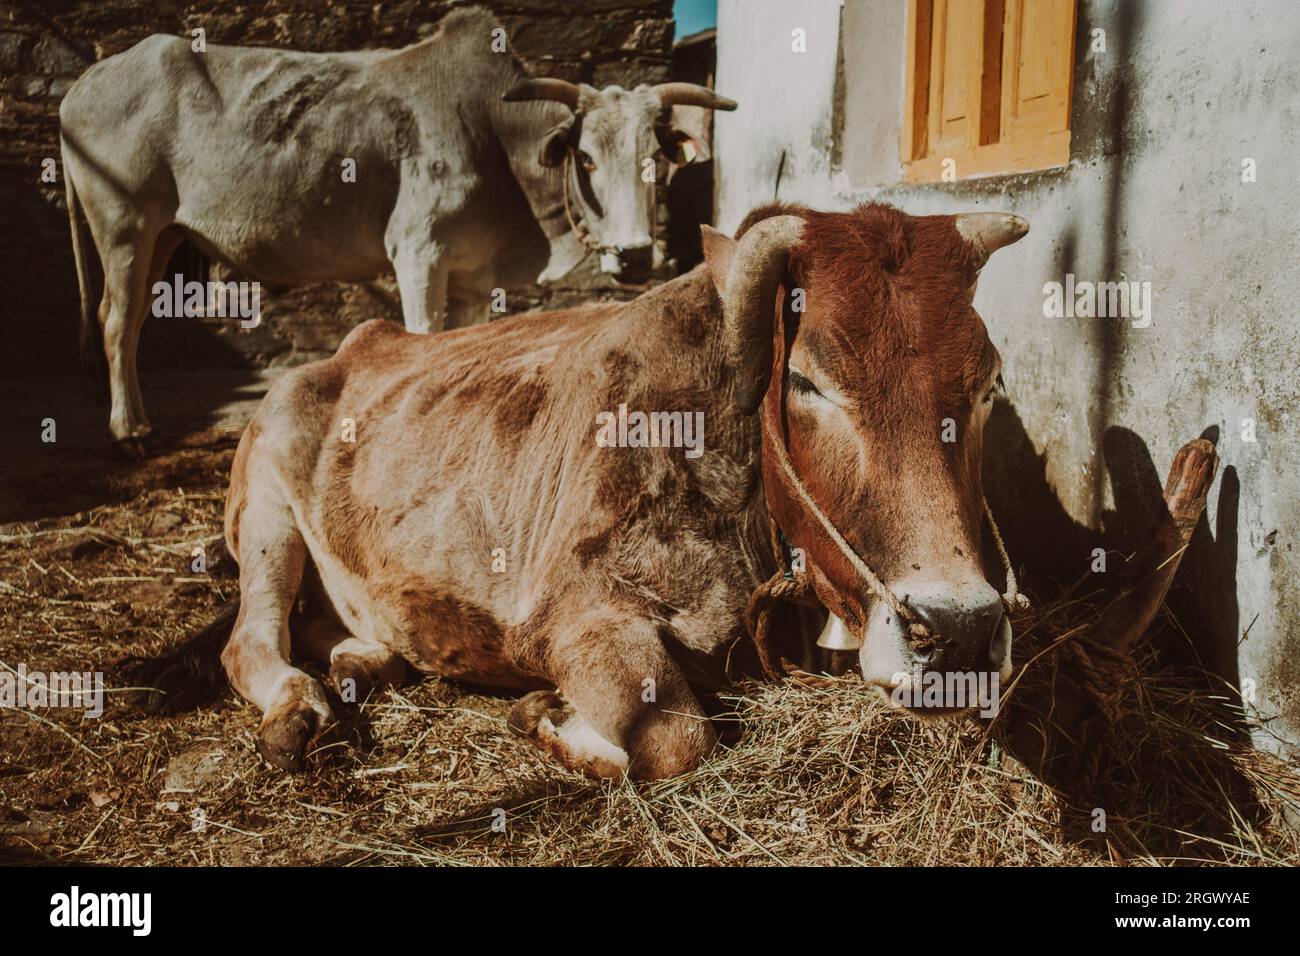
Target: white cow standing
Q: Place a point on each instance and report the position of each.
(469, 175)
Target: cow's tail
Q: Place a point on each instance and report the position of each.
(190, 674)
(92, 342)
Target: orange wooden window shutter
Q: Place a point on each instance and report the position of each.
(1038, 49)
(988, 86)
(955, 68)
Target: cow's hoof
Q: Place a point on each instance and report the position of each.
(139, 445)
(284, 735)
(132, 449)
(553, 727)
(532, 707)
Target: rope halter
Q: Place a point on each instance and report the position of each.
(577, 224)
(579, 227)
(917, 630)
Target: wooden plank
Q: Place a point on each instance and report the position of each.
(1037, 67)
(920, 20)
(991, 73)
(956, 69)
(994, 159)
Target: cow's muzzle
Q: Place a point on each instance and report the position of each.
(960, 667)
(632, 263)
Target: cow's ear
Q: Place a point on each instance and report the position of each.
(554, 146)
(719, 249)
(681, 147)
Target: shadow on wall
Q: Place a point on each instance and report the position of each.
(1103, 126)
(1056, 551)
(1194, 647)
(1204, 598)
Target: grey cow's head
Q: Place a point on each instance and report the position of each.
(607, 150)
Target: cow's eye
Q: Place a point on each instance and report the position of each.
(585, 159)
(998, 388)
(801, 384)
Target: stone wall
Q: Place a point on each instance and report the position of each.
(46, 44)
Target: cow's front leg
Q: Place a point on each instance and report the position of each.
(422, 283)
(271, 557)
(622, 706)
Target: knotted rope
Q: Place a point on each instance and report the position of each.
(795, 589)
(1012, 596)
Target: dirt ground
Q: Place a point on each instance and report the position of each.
(101, 568)
(95, 565)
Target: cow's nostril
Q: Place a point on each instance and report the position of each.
(966, 632)
(636, 259)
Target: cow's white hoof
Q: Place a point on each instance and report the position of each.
(543, 718)
(531, 708)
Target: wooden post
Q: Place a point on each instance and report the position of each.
(1151, 570)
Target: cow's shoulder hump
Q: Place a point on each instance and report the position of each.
(366, 337)
(108, 89)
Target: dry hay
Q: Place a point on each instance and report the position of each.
(820, 771)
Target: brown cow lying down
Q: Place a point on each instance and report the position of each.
(454, 502)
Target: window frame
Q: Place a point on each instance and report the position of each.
(1007, 143)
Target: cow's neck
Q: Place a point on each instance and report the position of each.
(520, 129)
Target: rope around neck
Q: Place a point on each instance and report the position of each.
(916, 629)
(579, 229)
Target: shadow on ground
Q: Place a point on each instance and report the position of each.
(81, 468)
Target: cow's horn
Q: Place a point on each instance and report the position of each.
(988, 232)
(748, 302)
(692, 94)
(544, 88)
